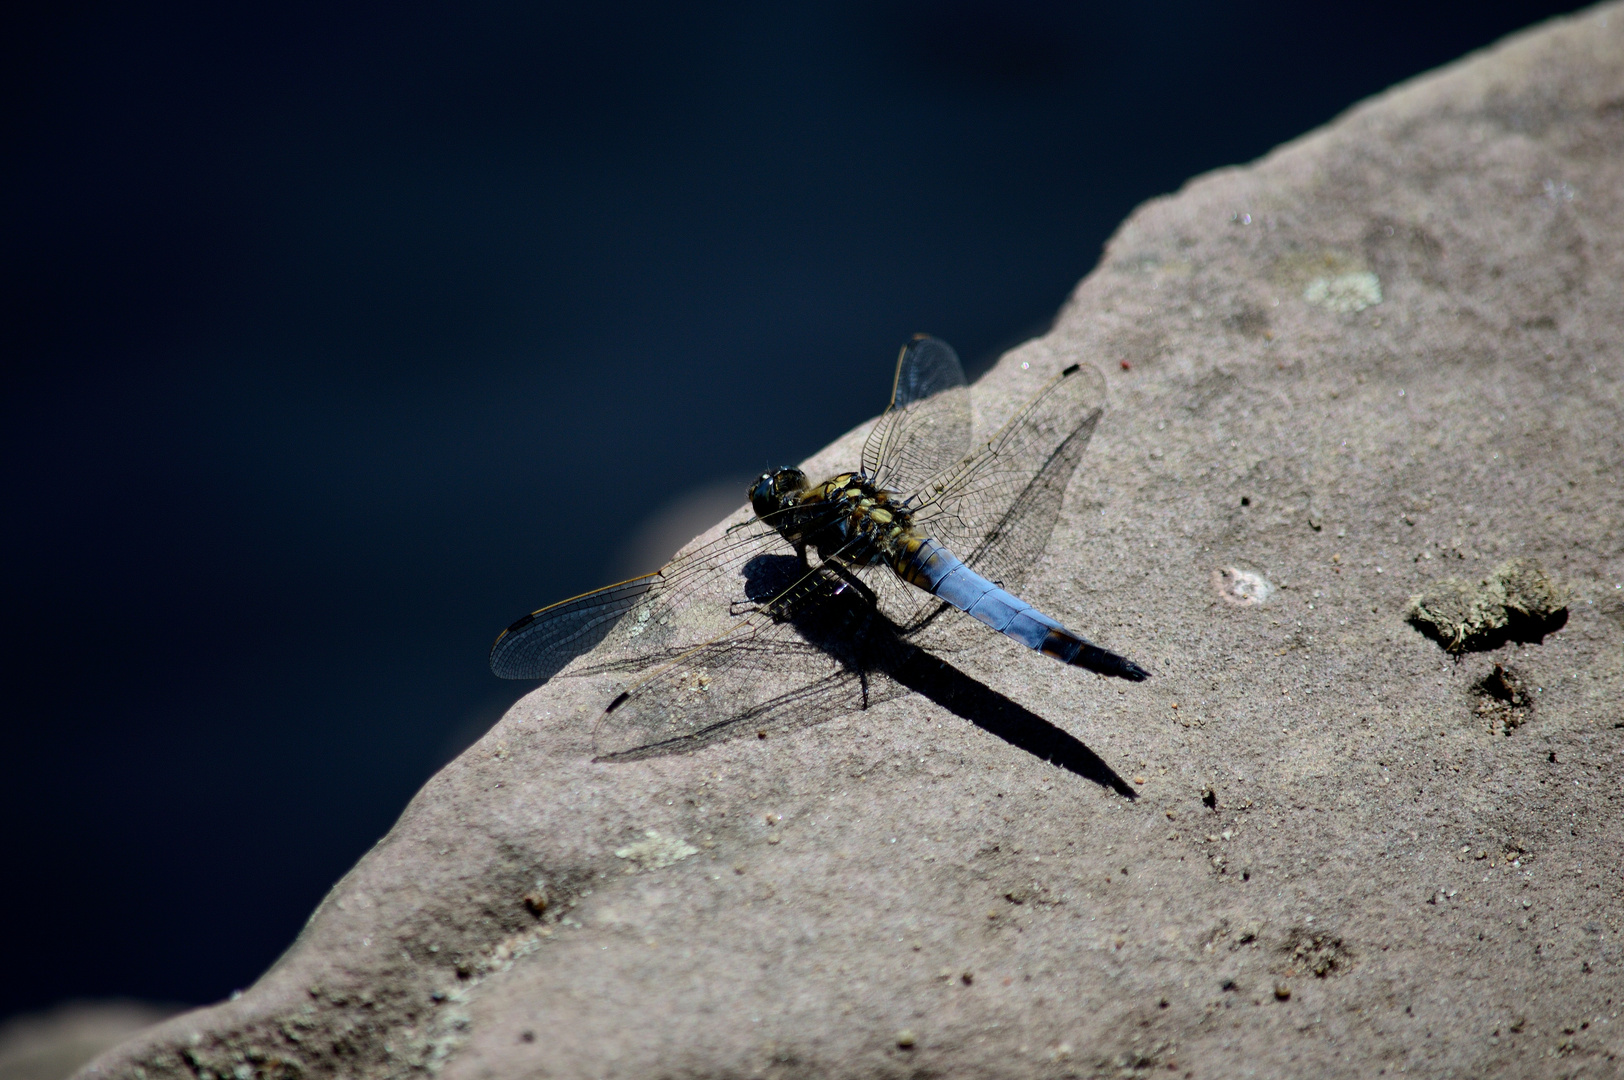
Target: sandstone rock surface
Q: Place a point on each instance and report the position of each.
(1388, 353)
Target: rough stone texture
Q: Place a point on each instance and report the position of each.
(1517, 600)
(1388, 352)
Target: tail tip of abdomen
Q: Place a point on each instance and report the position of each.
(1132, 671)
(1104, 662)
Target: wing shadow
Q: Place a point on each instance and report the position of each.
(872, 653)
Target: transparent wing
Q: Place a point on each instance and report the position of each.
(762, 677)
(539, 645)
(683, 603)
(927, 425)
(997, 508)
(809, 653)
(905, 605)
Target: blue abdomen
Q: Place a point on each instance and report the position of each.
(931, 566)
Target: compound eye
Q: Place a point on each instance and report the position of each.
(788, 480)
(763, 494)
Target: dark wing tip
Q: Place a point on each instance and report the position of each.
(515, 628)
(501, 666)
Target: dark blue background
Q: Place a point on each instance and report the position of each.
(339, 335)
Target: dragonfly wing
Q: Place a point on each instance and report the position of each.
(653, 617)
(903, 604)
(996, 509)
(540, 644)
(927, 426)
(810, 653)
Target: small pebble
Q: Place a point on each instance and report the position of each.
(1282, 991)
(906, 1039)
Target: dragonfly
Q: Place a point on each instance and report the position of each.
(819, 600)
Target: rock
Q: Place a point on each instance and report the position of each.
(1518, 599)
(1388, 351)
(54, 1044)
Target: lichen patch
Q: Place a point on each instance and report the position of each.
(1345, 293)
(1517, 600)
(1243, 588)
(656, 852)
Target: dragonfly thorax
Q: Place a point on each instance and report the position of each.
(846, 517)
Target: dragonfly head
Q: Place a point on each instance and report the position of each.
(768, 493)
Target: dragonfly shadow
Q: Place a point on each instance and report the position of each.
(846, 626)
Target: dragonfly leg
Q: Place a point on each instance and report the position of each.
(854, 581)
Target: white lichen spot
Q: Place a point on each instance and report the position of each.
(656, 852)
(1345, 292)
(1243, 588)
(640, 623)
